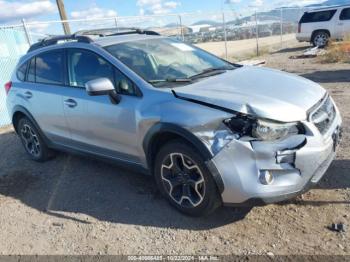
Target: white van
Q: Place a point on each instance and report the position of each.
(321, 25)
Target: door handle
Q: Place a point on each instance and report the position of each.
(341, 24)
(70, 103)
(28, 95)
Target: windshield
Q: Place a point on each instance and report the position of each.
(165, 60)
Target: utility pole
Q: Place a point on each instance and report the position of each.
(63, 16)
(257, 32)
(282, 27)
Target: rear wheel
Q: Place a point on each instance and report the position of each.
(320, 39)
(32, 141)
(183, 178)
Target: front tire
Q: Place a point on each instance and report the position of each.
(185, 181)
(32, 141)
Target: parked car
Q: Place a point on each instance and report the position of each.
(321, 25)
(210, 132)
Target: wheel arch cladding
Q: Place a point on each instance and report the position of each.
(18, 113)
(15, 119)
(162, 133)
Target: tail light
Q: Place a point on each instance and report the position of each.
(299, 28)
(8, 86)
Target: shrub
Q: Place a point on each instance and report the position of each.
(337, 52)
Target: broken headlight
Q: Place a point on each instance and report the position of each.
(269, 130)
(266, 130)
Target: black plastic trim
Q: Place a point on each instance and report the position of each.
(216, 175)
(161, 128)
(31, 118)
(114, 161)
(54, 40)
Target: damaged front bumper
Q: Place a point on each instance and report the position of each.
(293, 165)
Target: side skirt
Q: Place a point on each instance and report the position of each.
(132, 166)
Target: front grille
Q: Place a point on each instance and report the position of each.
(324, 115)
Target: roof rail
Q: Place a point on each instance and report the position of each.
(83, 36)
(103, 32)
(53, 40)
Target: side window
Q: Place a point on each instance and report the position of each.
(345, 14)
(84, 66)
(21, 72)
(31, 71)
(322, 16)
(123, 85)
(49, 68)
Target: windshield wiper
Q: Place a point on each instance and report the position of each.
(170, 80)
(211, 72)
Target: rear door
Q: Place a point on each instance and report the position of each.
(344, 23)
(97, 125)
(42, 94)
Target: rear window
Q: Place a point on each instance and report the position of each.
(322, 16)
(345, 14)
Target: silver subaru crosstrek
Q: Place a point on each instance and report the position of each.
(209, 131)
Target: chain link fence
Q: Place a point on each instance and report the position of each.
(13, 44)
(228, 34)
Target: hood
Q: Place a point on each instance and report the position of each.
(263, 92)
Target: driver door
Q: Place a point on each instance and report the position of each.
(96, 124)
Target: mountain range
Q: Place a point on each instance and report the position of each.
(289, 15)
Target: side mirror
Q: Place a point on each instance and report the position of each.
(103, 86)
(99, 87)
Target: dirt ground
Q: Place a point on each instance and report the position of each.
(74, 205)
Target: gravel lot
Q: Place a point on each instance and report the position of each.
(74, 205)
(242, 48)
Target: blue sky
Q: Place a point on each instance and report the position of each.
(12, 11)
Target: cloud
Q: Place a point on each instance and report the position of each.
(16, 10)
(258, 3)
(156, 7)
(93, 13)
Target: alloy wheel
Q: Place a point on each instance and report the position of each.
(183, 180)
(321, 40)
(30, 140)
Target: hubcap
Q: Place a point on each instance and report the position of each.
(30, 140)
(183, 180)
(321, 40)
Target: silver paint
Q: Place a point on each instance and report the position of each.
(118, 131)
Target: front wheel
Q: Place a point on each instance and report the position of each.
(183, 178)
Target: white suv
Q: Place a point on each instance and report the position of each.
(321, 25)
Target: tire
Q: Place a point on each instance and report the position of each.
(184, 180)
(32, 141)
(320, 39)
